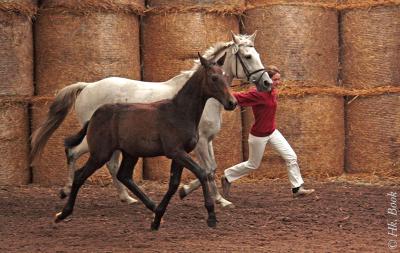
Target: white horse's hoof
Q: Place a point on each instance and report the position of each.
(228, 205)
(225, 203)
(129, 200)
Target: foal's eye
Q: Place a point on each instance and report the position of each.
(248, 57)
(214, 78)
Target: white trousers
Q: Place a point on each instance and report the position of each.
(256, 152)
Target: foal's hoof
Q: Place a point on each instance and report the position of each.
(59, 217)
(155, 226)
(182, 193)
(62, 194)
(212, 223)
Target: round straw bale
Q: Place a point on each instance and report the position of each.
(170, 44)
(14, 148)
(371, 42)
(72, 46)
(16, 47)
(193, 3)
(321, 3)
(301, 40)
(314, 127)
(373, 135)
(171, 41)
(85, 41)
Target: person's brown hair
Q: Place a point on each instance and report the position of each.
(272, 70)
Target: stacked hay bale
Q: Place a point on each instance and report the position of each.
(301, 39)
(173, 33)
(16, 83)
(371, 58)
(80, 41)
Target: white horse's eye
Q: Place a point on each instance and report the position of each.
(248, 56)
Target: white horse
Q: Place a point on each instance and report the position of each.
(242, 62)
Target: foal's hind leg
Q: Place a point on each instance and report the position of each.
(113, 166)
(73, 155)
(80, 177)
(174, 180)
(124, 175)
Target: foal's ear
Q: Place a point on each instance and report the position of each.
(221, 60)
(204, 62)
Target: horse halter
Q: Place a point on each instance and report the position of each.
(246, 70)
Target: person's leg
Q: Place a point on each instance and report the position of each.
(256, 151)
(280, 145)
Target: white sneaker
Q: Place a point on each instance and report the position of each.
(302, 192)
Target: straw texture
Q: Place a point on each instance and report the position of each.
(228, 143)
(79, 44)
(25, 8)
(314, 127)
(302, 41)
(14, 148)
(171, 41)
(16, 47)
(371, 42)
(373, 135)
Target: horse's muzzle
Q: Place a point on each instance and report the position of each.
(231, 105)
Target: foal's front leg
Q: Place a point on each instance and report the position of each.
(184, 159)
(174, 180)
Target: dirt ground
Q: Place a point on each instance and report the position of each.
(340, 217)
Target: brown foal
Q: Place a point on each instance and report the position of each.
(168, 127)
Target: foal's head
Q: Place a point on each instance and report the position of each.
(216, 84)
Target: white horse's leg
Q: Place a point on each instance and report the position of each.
(73, 155)
(213, 167)
(218, 197)
(113, 167)
(206, 160)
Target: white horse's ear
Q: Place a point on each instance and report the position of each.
(235, 38)
(235, 49)
(253, 36)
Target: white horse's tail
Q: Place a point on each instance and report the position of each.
(58, 110)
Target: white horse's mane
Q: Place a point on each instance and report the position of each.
(215, 49)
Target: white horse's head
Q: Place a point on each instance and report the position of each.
(242, 60)
(245, 62)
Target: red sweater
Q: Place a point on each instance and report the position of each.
(264, 107)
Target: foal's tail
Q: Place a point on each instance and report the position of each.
(58, 110)
(76, 139)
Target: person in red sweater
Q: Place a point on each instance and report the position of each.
(264, 131)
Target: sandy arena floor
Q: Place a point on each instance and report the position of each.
(340, 217)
